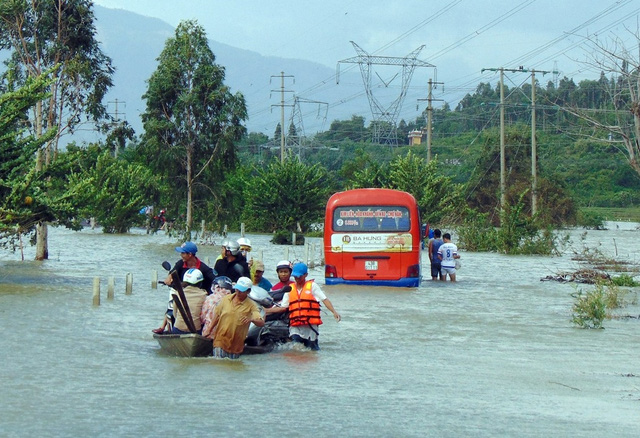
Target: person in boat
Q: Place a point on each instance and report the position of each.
(188, 260)
(223, 250)
(257, 275)
(245, 249)
(434, 245)
(195, 295)
(231, 319)
(448, 254)
(233, 265)
(283, 269)
(221, 286)
(303, 304)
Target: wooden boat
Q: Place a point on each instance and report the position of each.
(189, 345)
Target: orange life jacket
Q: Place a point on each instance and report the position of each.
(303, 309)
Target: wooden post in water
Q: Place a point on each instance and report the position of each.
(129, 284)
(242, 229)
(306, 254)
(312, 251)
(96, 291)
(154, 279)
(111, 288)
(202, 227)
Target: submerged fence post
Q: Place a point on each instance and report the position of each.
(306, 254)
(311, 255)
(154, 279)
(96, 291)
(129, 284)
(111, 288)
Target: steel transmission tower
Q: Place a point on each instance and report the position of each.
(384, 118)
(296, 136)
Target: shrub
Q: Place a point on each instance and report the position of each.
(624, 280)
(589, 309)
(284, 238)
(590, 220)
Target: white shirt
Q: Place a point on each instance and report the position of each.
(447, 251)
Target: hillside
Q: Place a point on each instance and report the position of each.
(134, 42)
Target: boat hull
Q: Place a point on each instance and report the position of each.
(188, 345)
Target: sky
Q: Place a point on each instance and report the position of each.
(460, 37)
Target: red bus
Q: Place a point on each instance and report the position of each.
(372, 237)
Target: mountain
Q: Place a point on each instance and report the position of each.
(134, 42)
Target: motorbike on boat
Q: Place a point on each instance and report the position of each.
(276, 327)
(258, 340)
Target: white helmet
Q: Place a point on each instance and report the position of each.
(193, 276)
(233, 248)
(243, 241)
(284, 264)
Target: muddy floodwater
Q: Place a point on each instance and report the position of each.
(493, 355)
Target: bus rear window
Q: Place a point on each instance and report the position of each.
(368, 219)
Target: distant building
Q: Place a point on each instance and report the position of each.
(415, 138)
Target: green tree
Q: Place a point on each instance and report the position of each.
(44, 34)
(192, 119)
(285, 194)
(29, 197)
(438, 197)
(116, 188)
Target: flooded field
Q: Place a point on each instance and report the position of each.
(495, 354)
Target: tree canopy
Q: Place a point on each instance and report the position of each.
(192, 119)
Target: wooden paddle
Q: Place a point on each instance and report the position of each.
(182, 302)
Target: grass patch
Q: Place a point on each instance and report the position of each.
(631, 214)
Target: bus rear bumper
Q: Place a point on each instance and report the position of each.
(402, 282)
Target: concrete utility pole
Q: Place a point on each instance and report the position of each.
(282, 105)
(534, 145)
(503, 165)
(430, 99)
(534, 154)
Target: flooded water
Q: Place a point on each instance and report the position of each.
(492, 355)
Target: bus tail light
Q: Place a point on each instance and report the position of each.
(413, 271)
(330, 271)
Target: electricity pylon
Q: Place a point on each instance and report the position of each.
(296, 136)
(384, 118)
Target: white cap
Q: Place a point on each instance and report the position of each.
(243, 284)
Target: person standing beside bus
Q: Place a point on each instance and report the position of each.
(448, 253)
(434, 245)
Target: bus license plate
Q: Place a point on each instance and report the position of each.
(371, 265)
